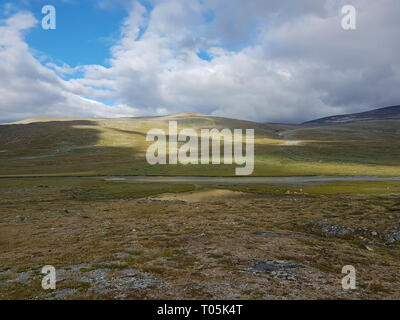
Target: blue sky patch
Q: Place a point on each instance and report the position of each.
(203, 55)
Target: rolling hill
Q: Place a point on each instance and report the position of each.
(89, 147)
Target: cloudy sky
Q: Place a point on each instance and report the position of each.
(263, 60)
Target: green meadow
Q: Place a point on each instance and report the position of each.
(92, 147)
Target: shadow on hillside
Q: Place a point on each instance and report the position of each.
(129, 132)
(61, 147)
(74, 147)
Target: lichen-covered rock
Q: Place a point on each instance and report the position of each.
(333, 230)
(273, 265)
(392, 236)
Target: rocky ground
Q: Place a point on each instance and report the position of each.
(232, 246)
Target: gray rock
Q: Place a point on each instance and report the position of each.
(283, 275)
(392, 236)
(334, 230)
(64, 293)
(274, 265)
(122, 255)
(22, 277)
(98, 274)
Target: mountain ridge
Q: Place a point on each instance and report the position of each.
(385, 113)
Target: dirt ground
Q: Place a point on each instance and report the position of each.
(207, 244)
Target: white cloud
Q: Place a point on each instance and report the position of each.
(272, 61)
(28, 89)
(295, 64)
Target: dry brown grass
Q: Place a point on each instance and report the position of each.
(197, 249)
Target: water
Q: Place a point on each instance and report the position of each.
(217, 180)
(240, 180)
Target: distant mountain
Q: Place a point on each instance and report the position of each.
(388, 113)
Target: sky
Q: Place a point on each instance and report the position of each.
(261, 60)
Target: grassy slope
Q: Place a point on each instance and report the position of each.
(117, 147)
(89, 189)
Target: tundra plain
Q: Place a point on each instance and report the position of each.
(117, 240)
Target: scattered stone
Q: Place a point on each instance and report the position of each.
(22, 277)
(392, 236)
(106, 224)
(98, 275)
(283, 275)
(334, 230)
(101, 280)
(122, 255)
(64, 293)
(274, 265)
(62, 273)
